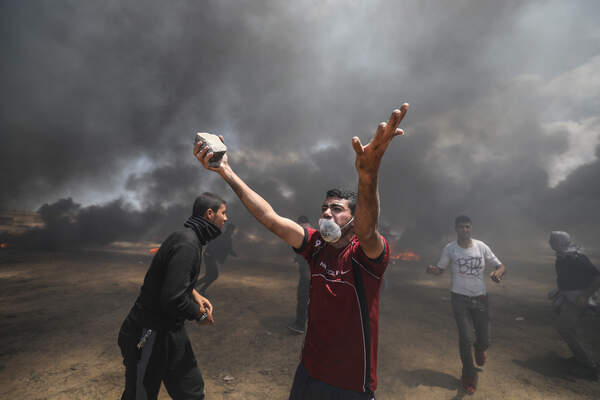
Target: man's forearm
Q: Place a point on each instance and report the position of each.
(257, 206)
(367, 207)
(286, 229)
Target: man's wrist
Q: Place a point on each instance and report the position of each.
(226, 171)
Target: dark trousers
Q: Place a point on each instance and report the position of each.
(303, 293)
(167, 357)
(471, 313)
(211, 275)
(307, 388)
(566, 323)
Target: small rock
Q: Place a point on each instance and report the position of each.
(519, 319)
(228, 378)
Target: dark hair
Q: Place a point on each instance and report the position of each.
(205, 201)
(462, 219)
(302, 219)
(343, 194)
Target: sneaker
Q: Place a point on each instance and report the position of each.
(297, 329)
(468, 384)
(480, 357)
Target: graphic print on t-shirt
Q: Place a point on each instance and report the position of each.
(469, 265)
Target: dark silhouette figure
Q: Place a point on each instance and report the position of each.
(216, 252)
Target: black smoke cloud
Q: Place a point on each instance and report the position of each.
(66, 224)
(101, 101)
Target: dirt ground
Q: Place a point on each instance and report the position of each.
(60, 313)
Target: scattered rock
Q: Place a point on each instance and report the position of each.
(228, 378)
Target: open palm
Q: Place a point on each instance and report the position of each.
(368, 157)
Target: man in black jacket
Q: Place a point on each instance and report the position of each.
(577, 279)
(153, 340)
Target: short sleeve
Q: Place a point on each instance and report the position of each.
(490, 257)
(376, 266)
(307, 248)
(444, 258)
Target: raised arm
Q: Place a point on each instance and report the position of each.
(368, 159)
(285, 228)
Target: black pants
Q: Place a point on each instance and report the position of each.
(211, 275)
(303, 293)
(307, 388)
(566, 324)
(167, 356)
(471, 313)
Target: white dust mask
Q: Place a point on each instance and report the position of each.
(330, 231)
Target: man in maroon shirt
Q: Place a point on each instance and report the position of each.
(347, 258)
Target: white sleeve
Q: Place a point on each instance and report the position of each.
(445, 258)
(489, 256)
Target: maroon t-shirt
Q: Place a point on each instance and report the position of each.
(334, 346)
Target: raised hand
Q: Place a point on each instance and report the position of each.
(369, 157)
(204, 157)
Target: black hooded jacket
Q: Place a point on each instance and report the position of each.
(166, 299)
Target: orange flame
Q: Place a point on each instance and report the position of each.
(154, 250)
(3, 245)
(406, 255)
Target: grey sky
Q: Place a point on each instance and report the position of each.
(101, 100)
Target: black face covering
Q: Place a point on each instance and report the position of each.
(205, 230)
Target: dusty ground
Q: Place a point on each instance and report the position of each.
(60, 313)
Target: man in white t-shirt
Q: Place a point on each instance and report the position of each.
(467, 258)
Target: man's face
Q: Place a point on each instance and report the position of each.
(463, 230)
(336, 209)
(218, 218)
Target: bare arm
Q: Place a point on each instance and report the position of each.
(368, 159)
(285, 228)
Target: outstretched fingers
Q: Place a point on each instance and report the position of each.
(380, 133)
(386, 131)
(395, 119)
(357, 146)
